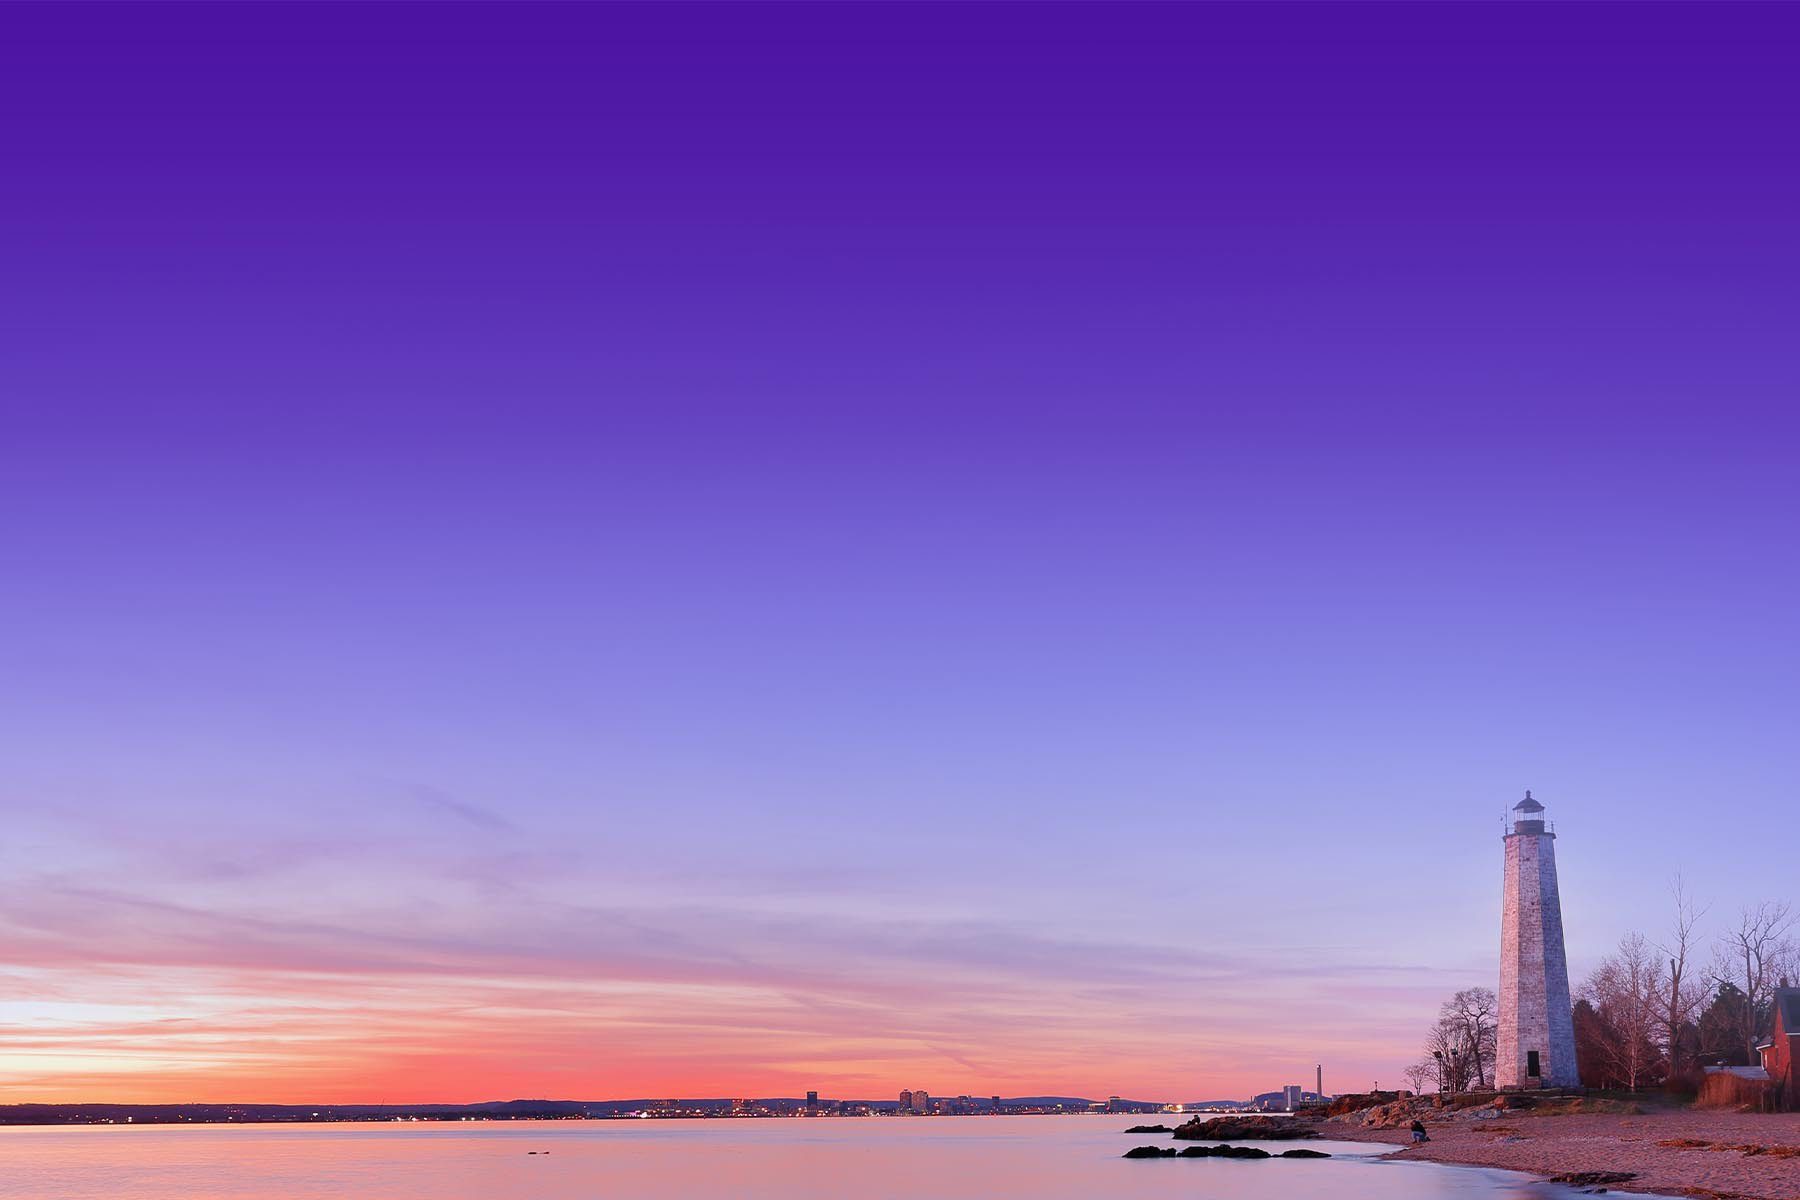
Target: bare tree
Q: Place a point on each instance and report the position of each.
(1461, 1042)
(1421, 1075)
(1445, 1044)
(1683, 990)
(1753, 955)
(1626, 989)
(1787, 964)
(1472, 1011)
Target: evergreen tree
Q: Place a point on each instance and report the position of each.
(1722, 1024)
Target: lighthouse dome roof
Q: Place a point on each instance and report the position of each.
(1528, 805)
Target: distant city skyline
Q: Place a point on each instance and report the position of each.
(580, 550)
(909, 1104)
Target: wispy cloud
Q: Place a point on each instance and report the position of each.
(484, 819)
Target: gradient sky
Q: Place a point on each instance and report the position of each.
(586, 552)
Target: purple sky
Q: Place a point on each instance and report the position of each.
(620, 551)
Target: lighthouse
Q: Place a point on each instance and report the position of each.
(1537, 1031)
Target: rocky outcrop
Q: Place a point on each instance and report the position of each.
(1397, 1115)
(1150, 1129)
(1245, 1129)
(1357, 1101)
(1241, 1152)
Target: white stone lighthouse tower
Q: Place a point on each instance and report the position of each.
(1537, 1030)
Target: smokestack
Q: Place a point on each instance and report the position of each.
(1319, 1080)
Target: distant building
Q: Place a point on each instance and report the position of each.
(1291, 1096)
(996, 1104)
(921, 1102)
(812, 1104)
(1779, 1051)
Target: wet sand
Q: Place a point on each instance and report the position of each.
(1553, 1145)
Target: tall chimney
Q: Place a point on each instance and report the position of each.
(1319, 1080)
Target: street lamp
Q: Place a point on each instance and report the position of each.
(1439, 1055)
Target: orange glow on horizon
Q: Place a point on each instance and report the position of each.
(206, 1035)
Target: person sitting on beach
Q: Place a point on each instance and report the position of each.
(1418, 1132)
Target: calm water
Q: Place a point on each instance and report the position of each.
(955, 1158)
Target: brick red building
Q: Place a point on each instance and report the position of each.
(1781, 1049)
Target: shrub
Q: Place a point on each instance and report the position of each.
(1722, 1089)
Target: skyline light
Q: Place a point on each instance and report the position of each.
(609, 551)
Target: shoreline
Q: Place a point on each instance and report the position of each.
(1698, 1154)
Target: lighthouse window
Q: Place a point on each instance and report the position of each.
(1531, 1063)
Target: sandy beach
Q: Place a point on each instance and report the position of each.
(1676, 1152)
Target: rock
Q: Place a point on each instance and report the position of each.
(1150, 1129)
(1593, 1178)
(1245, 1129)
(1241, 1152)
(1356, 1102)
(1237, 1152)
(1397, 1115)
(1224, 1152)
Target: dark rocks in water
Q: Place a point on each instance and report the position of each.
(1224, 1152)
(1245, 1129)
(1241, 1152)
(1217, 1152)
(1150, 1129)
(1593, 1178)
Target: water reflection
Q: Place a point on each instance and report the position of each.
(960, 1158)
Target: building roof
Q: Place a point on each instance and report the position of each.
(1740, 1072)
(1787, 1009)
(1528, 805)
